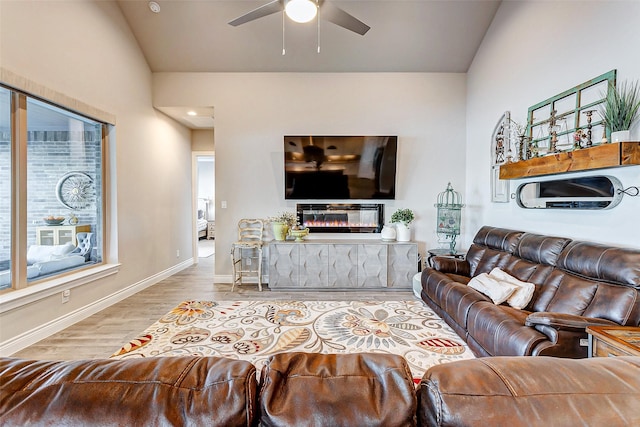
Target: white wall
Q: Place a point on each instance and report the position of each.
(202, 140)
(535, 50)
(254, 112)
(84, 49)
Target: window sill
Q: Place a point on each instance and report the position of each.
(15, 299)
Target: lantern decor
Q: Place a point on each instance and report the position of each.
(449, 216)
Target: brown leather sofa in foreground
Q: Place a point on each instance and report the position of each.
(577, 284)
(532, 391)
(159, 391)
(304, 389)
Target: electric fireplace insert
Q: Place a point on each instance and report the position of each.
(341, 217)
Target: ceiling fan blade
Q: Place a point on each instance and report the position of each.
(339, 17)
(262, 11)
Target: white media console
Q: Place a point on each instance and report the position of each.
(350, 264)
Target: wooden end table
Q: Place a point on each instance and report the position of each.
(607, 341)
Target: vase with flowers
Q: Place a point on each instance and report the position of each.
(281, 224)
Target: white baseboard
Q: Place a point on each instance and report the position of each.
(43, 331)
(222, 278)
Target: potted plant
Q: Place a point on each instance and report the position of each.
(402, 218)
(281, 224)
(621, 108)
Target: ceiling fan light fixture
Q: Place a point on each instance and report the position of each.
(301, 10)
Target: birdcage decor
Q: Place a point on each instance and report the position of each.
(449, 216)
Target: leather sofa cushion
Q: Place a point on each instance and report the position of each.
(457, 299)
(501, 330)
(605, 263)
(133, 392)
(357, 390)
(497, 238)
(571, 294)
(526, 391)
(540, 249)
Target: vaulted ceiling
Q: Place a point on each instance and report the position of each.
(405, 36)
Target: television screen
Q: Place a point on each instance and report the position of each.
(595, 186)
(340, 167)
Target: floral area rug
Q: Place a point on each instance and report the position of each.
(253, 331)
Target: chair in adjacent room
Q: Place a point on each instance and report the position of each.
(246, 253)
(85, 245)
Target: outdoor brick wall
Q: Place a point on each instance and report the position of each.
(50, 155)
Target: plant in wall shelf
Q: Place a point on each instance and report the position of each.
(621, 109)
(281, 224)
(402, 218)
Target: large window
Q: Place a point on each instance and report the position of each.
(58, 227)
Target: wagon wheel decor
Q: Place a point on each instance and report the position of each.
(75, 190)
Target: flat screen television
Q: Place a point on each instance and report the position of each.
(340, 167)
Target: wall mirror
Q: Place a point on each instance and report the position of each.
(588, 192)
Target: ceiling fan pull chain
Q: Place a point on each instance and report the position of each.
(318, 18)
(283, 16)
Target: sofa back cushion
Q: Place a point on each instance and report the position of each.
(196, 391)
(497, 238)
(594, 280)
(605, 263)
(540, 249)
(526, 391)
(313, 389)
(492, 247)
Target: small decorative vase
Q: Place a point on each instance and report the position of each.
(299, 234)
(388, 233)
(403, 232)
(621, 136)
(280, 230)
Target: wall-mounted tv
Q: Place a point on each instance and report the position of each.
(340, 167)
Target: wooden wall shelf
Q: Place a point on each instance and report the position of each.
(598, 157)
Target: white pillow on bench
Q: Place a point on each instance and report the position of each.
(42, 253)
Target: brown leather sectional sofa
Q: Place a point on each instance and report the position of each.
(577, 284)
(306, 389)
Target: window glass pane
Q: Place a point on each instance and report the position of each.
(64, 181)
(5, 188)
(594, 93)
(565, 104)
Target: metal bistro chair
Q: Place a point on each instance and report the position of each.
(246, 253)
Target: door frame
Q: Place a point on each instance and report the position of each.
(194, 198)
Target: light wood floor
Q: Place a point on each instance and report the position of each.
(100, 335)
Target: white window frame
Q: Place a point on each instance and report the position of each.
(21, 292)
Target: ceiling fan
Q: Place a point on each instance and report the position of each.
(305, 11)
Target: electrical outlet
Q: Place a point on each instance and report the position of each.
(223, 204)
(66, 294)
(177, 253)
(248, 261)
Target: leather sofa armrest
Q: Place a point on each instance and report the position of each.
(565, 321)
(451, 265)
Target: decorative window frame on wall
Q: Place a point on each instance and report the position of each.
(570, 120)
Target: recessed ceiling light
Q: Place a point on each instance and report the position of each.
(154, 7)
(192, 113)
